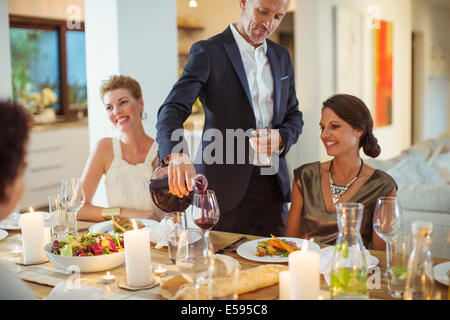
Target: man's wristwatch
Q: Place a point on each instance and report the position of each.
(109, 213)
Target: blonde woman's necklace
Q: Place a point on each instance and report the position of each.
(336, 190)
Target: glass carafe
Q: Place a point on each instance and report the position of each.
(349, 264)
(163, 199)
(420, 279)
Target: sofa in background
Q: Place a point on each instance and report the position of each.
(422, 173)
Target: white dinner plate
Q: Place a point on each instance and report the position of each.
(328, 252)
(247, 250)
(440, 272)
(12, 222)
(3, 234)
(108, 227)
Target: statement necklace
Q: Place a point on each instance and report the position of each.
(338, 191)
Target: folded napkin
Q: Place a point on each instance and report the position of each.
(162, 233)
(326, 259)
(65, 291)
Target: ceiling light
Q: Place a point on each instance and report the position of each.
(193, 4)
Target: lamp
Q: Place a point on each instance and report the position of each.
(193, 4)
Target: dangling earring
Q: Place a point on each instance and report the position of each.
(144, 114)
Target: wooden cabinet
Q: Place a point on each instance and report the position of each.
(53, 154)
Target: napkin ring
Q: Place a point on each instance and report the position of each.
(109, 213)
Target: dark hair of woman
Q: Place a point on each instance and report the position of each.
(355, 112)
(14, 133)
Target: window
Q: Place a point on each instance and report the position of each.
(48, 68)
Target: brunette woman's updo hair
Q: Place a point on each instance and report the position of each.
(354, 111)
(14, 133)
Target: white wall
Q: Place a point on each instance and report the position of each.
(5, 54)
(137, 38)
(432, 104)
(315, 66)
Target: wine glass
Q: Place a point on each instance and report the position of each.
(72, 198)
(387, 220)
(193, 257)
(205, 210)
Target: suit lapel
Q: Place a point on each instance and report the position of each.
(275, 67)
(233, 53)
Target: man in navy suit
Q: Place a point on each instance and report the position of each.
(245, 83)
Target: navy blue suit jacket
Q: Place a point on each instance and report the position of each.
(215, 73)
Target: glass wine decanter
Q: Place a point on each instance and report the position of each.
(166, 201)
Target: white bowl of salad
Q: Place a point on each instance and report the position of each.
(92, 252)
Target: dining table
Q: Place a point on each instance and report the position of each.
(43, 278)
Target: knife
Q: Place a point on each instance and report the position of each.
(231, 245)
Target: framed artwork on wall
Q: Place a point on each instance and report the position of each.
(348, 45)
(383, 72)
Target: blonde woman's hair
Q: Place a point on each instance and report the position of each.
(121, 82)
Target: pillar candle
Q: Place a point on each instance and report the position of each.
(304, 267)
(137, 258)
(284, 280)
(32, 237)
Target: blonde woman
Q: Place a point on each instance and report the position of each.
(127, 162)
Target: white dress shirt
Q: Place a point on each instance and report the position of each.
(260, 82)
(259, 78)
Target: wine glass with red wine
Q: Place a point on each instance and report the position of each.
(205, 210)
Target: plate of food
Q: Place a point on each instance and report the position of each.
(273, 249)
(121, 225)
(441, 273)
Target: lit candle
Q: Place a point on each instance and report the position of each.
(108, 278)
(160, 271)
(32, 237)
(304, 267)
(137, 257)
(284, 285)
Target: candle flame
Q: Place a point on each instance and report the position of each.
(133, 223)
(31, 210)
(108, 273)
(305, 245)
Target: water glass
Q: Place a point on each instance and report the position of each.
(59, 219)
(193, 257)
(175, 224)
(397, 264)
(223, 278)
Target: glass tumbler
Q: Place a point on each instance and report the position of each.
(397, 264)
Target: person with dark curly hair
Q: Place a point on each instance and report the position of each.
(14, 135)
(346, 127)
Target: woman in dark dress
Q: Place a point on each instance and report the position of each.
(346, 127)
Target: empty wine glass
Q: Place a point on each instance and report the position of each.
(205, 210)
(193, 257)
(387, 220)
(72, 198)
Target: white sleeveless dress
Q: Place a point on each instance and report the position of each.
(127, 185)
